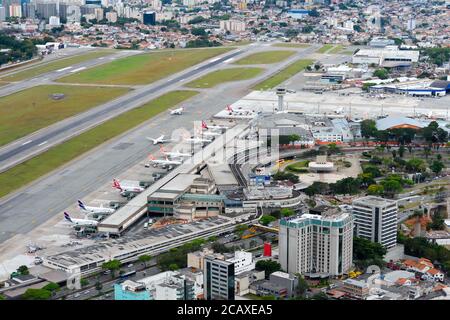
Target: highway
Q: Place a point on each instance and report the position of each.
(24, 210)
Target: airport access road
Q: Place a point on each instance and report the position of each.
(25, 210)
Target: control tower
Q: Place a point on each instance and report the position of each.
(281, 92)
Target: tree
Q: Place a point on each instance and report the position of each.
(36, 294)
(437, 222)
(84, 282)
(372, 170)
(401, 151)
(144, 259)
(332, 148)
(287, 212)
(375, 189)
(52, 287)
(415, 165)
(391, 186)
(302, 286)
(98, 286)
(198, 32)
(269, 267)
(320, 296)
(23, 270)
(368, 128)
(112, 265)
(266, 219)
(381, 73)
(173, 267)
(437, 166)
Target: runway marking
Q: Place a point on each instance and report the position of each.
(214, 60)
(101, 58)
(78, 69)
(229, 60)
(64, 69)
(29, 141)
(181, 80)
(41, 144)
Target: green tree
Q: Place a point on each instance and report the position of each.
(381, 73)
(112, 265)
(269, 267)
(320, 296)
(144, 259)
(174, 267)
(375, 189)
(36, 294)
(415, 165)
(302, 286)
(287, 212)
(391, 186)
(52, 287)
(84, 282)
(266, 219)
(401, 151)
(437, 166)
(98, 286)
(368, 128)
(23, 270)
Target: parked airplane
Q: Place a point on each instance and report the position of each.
(197, 140)
(89, 209)
(172, 154)
(178, 111)
(126, 188)
(160, 139)
(80, 222)
(212, 127)
(166, 162)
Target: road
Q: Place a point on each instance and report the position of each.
(28, 208)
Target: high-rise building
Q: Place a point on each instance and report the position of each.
(46, 10)
(149, 17)
(15, 10)
(376, 220)
(2, 14)
(218, 279)
(320, 244)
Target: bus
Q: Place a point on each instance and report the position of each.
(127, 274)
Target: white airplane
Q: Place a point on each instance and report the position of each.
(240, 112)
(89, 209)
(178, 111)
(166, 162)
(160, 139)
(197, 140)
(176, 154)
(212, 127)
(80, 222)
(126, 188)
(209, 134)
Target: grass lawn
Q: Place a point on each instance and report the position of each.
(144, 68)
(57, 156)
(325, 48)
(290, 45)
(299, 167)
(26, 111)
(55, 65)
(336, 49)
(284, 74)
(266, 57)
(220, 76)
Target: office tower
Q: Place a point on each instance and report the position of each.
(29, 10)
(46, 10)
(411, 24)
(321, 244)
(376, 220)
(15, 10)
(218, 279)
(149, 17)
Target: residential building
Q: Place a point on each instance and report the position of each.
(376, 220)
(131, 290)
(320, 244)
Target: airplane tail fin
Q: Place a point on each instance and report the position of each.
(81, 205)
(161, 148)
(204, 125)
(116, 184)
(67, 217)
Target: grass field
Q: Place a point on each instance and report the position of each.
(290, 45)
(44, 163)
(55, 65)
(336, 49)
(265, 57)
(325, 48)
(29, 110)
(226, 75)
(144, 68)
(283, 75)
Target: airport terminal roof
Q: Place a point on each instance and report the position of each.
(393, 122)
(180, 183)
(112, 248)
(164, 195)
(221, 174)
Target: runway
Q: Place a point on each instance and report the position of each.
(32, 206)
